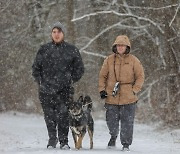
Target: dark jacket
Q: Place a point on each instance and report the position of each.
(57, 66)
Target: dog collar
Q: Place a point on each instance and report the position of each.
(77, 115)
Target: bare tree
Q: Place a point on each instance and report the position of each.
(151, 29)
(93, 26)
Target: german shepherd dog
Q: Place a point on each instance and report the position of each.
(81, 120)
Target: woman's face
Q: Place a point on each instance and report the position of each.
(121, 49)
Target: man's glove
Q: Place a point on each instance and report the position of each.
(103, 94)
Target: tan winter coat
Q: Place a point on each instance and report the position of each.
(129, 72)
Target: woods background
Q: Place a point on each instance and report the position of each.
(92, 25)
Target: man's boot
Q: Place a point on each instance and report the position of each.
(112, 142)
(52, 143)
(125, 147)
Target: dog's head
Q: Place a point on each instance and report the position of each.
(76, 107)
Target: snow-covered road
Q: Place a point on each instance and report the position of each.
(24, 133)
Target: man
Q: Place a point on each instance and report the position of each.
(56, 67)
(121, 78)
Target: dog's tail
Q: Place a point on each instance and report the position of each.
(88, 101)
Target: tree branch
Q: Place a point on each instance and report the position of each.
(119, 14)
(8, 3)
(140, 8)
(174, 15)
(108, 28)
(93, 54)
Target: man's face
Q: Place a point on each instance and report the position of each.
(121, 49)
(57, 35)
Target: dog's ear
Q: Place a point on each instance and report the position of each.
(87, 99)
(80, 99)
(88, 102)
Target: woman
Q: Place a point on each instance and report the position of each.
(121, 78)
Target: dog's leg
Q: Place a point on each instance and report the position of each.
(79, 142)
(90, 132)
(75, 139)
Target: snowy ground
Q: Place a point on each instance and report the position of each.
(24, 133)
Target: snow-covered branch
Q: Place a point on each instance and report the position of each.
(156, 41)
(146, 94)
(160, 51)
(38, 22)
(174, 15)
(148, 91)
(168, 96)
(175, 55)
(172, 39)
(150, 8)
(98, 35)
(139, 7)
(108, 28)
(93, 54)
(119, 14)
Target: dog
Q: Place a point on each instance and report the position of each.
(81, 120)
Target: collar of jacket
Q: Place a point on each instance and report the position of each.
(59, 43)
(123, 56)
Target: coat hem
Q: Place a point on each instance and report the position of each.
(130, 102)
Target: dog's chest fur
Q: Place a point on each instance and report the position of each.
(78, 123)
(80, 120)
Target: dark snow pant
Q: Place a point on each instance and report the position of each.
(124, 114)
(56, 115)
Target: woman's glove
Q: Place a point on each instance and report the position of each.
(103, 94)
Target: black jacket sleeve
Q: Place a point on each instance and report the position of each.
(37, 67)
(78, 67)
